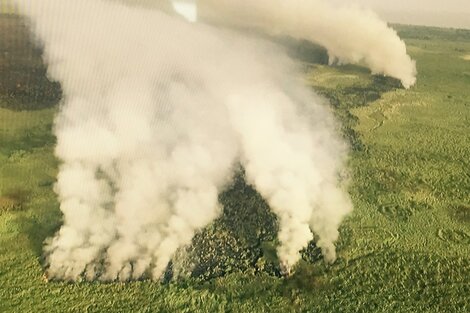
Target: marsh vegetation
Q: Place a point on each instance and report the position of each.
(406, 247)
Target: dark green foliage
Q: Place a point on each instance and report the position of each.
(432, 33)
(243, 239)
(246, 214)
(343, 99)
(27, 140)
(304, 51)
(23, 81)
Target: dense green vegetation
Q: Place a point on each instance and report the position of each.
(406, 247)
(24, 84)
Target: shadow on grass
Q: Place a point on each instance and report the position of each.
(460, 212)
(39, 226)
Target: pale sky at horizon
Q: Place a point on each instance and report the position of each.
(444, 13)
(450, 13)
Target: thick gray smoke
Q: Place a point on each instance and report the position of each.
(156, 113)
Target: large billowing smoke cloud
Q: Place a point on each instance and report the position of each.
(350, 34)
(156, 114)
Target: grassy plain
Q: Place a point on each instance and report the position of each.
(406, 247)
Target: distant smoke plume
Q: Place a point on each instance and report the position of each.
(350, 34)
(156, 114)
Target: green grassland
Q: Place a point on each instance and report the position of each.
(406, 247)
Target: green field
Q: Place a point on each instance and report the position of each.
(406, 247)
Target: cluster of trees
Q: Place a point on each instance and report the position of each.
(24, 84)
(242, 240)
(432, 33)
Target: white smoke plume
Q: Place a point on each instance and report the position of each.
(349, 33)
(155, 115)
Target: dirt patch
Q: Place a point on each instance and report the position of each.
(8, 204)
(396, 212)
(453, 236)
(13, 200)
(466, 57)
(460, 213)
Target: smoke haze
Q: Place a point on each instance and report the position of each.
(156, 114)
(451, 13)
(350, 34)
